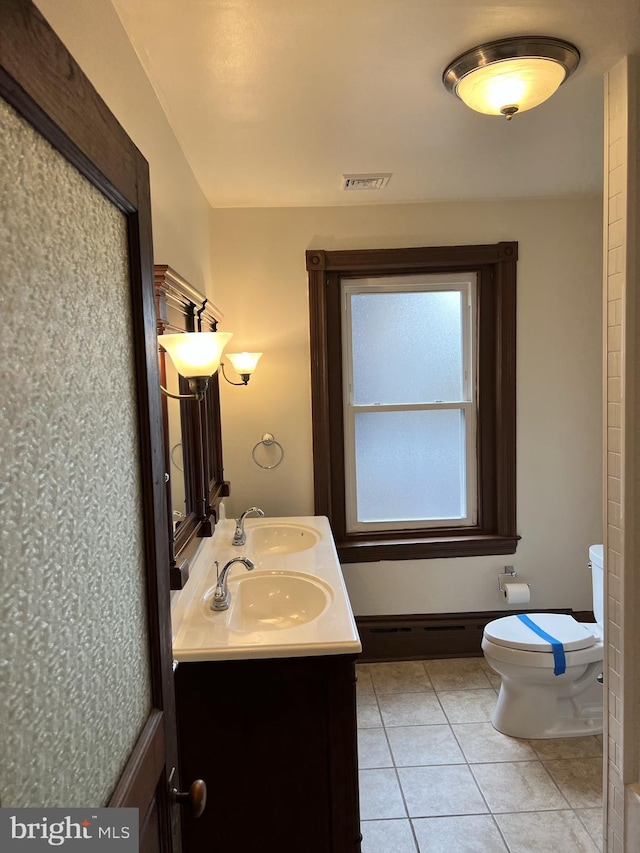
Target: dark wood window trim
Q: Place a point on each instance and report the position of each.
(495, 530)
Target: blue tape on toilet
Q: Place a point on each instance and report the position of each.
(559, 661)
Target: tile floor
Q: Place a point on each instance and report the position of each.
(435, 776)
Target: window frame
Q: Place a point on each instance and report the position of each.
(465, 284)
(495, 528)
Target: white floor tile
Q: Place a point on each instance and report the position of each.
(548, 832)
(518, 786)
(457, 674)
(373, 749)
(465, 834)
(580, 780)
(436, 783)
(593, 821)
(448, 790)
(413, 746)
(368, 713)
(480, 742)
(468, 706)
(387, 836)
(410, 709)
(380, 795)
(401, 677)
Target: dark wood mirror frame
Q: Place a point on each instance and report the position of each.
(182, 308)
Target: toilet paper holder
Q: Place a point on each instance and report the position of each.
(509, 572)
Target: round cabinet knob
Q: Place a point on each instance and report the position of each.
(196, 796)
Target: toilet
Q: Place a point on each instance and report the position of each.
(549, 689)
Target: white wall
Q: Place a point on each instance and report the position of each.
(260, 279)
(92, 32)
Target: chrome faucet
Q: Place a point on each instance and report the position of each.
(221, 595)
(240, 537)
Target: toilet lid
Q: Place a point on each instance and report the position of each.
(513, 633)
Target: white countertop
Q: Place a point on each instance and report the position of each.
(201, 634)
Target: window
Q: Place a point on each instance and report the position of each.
(409, 401)
(413, 384)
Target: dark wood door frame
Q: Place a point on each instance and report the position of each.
(43, 83)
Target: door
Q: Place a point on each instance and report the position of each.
(90, 719)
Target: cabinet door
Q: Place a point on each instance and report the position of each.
(280, 736)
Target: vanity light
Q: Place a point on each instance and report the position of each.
(243, 363)
(196, 356)
(511, 75)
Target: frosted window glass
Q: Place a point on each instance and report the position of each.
(74, 659)
(410, 465)
(407, 347)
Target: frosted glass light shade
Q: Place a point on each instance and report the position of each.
(244, 363)
(511, 75)
(195, 353)
(520, 83)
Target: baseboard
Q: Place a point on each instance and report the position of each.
(424, 636)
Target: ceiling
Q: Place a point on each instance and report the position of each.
(273, 101)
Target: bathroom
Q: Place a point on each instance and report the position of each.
(251, 262)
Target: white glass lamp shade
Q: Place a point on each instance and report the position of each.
(511, 75)
(195, 353)
(520, 83)
(244, 363)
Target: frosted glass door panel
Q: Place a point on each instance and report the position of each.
(74, 659)
(410, 465)
(423, 364)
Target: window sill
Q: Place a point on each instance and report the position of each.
(370, 550)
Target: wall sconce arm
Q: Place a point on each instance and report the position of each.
(244, 364)
(245, 376)
(198, 386)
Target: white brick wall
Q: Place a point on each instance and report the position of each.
(622, 460)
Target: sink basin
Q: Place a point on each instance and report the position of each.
(277, 600)
(293, 605)
(272, 539)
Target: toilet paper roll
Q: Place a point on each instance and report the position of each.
(517, 593)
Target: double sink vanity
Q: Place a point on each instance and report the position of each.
(266, 691)
(265, 682)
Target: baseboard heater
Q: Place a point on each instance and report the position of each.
(428, 636)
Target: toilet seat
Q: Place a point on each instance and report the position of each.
(510, 632)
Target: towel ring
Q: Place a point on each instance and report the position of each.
(268, 441)
(172, 451)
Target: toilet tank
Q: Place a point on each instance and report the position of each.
(596, 561)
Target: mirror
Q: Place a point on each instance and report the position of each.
(193, 444)
(177, 485)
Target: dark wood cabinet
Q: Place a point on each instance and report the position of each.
(276, 741)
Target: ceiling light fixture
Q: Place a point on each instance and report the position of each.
(511, 75)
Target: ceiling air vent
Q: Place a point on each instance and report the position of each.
(365, 182)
